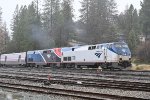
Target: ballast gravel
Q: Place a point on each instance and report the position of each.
(137, 94)
(8, 94)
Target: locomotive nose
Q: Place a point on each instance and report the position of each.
(124, 58)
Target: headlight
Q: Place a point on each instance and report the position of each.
(129, 58)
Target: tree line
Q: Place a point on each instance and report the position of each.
(53, 26)
(33, 29)
(4, 38)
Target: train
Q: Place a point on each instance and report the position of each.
(114, 55)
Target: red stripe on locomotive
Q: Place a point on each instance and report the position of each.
(58, 52)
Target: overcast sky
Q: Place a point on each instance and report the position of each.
(8, 7)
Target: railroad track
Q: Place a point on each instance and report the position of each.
(102, 74)
(93, 81)
(66, 92)
(97, 83)
(25, 75)
(107, 74)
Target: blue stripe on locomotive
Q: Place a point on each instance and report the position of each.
(34, 57)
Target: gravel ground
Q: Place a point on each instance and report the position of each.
(100, 76)
(74, 71)
(104, 74)
(138, 94)
(8, 94)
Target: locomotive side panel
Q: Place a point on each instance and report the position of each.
(35, 58)
(83, 56)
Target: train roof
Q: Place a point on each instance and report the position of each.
(110, 43)
(13, 53)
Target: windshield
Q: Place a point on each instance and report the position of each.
(122, 49)
(121, 45)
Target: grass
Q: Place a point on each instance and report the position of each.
(140, 67)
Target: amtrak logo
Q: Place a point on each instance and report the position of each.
(98, 54)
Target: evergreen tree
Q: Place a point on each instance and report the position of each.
(34, 26)
(57, 24)
(98, 17)
(67, 25)
(21, 35)
(47, 15)
(128, 23)
(57, 21)
(4, 39)
(0, 15)
(145, 17)
(51, 21)
(144, 50)
(26, 29)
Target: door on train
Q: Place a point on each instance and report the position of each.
(105, 53)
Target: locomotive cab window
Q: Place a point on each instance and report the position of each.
(65, 58)
(92, 48)
(69, 58)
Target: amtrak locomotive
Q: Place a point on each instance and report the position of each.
(106, 55)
